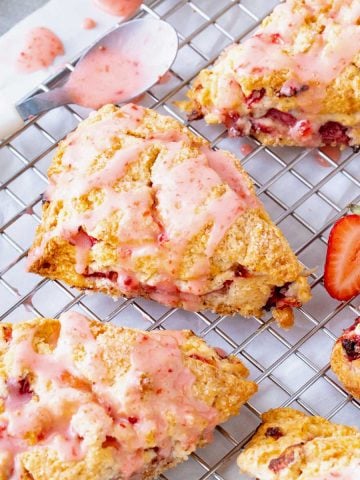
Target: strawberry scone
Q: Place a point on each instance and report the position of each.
(345, 359)
(290, 445)
(139, 206)
(90, 401)
(295, 82)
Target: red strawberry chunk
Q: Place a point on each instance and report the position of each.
(111, 442)
(282, 117)
(333, 132)
(255, 96)
(303, 128)
(82, 239)
(112, 276)
(351, 345)
(133, 420)
(342, 265)
(24, 386)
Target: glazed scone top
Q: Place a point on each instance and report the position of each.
(285, 43)
(303, 52)
(73, 388)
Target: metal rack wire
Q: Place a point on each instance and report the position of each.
(303, 196)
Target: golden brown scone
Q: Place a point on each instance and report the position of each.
(295, 82)
(345, 359)
(139, 206)
(290, 445)
(85, 400)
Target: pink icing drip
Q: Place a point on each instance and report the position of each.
(65, 414)
(325, 59)
(41, 48)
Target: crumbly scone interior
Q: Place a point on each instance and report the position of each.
(294, 82)
(290, 445)
(82, 399)
(138, 205)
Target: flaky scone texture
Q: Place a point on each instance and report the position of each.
(345, 359)
(295, 82)
(138, 205)
(290, 445)
(91, 401)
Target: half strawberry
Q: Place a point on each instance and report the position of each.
(342, 266)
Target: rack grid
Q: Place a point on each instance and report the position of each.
(304, 190)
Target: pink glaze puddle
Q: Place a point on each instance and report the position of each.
(333, 152)
(123, 8)
(88, 24)
(246, 148)
(104, 76)
(41, 48)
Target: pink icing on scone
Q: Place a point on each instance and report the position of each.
(60, 396)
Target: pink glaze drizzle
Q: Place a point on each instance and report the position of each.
(322, 62)
(88, 23)
(64, 417)
(123, 8)
(207, 191)
(41, 48)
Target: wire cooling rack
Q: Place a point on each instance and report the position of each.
(305, 191)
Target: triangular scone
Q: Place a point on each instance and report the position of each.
(290, 445)
(345, 359)
(296, 81)
(90, 401)
(138, 205)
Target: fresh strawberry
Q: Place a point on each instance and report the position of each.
(342, 266)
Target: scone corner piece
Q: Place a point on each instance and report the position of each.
(345, 359)
(88, 400)
(139, 206)
(290, 445)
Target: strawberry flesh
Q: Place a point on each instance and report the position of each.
(333, 132)
(342, 266)
(282, 117)
(351, 346)
(350, 341)
(255, 96)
